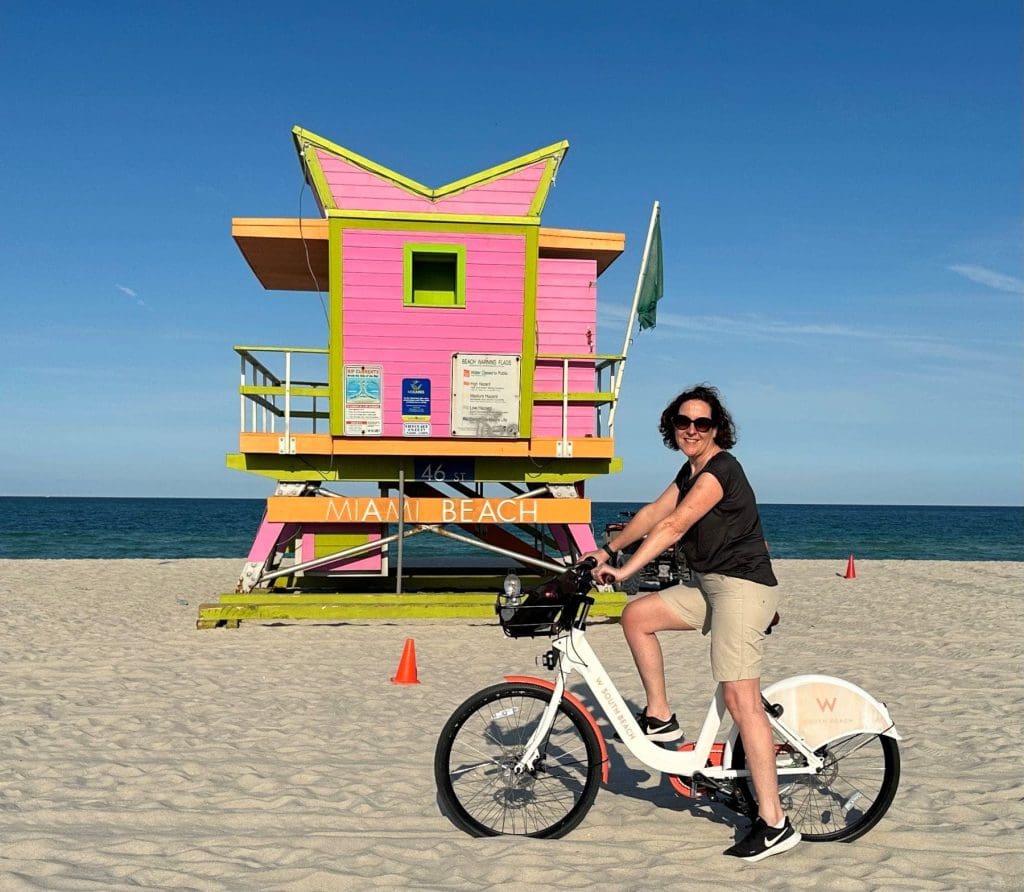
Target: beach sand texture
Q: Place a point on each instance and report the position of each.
(137, 751)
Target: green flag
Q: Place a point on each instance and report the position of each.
(652, 280)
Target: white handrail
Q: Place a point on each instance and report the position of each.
(565, 406)
(287, 396)
(241, 397)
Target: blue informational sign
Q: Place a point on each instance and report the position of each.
(416, 399)
(444, 470)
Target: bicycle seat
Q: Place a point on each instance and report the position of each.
(773, 623)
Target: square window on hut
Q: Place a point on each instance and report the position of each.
(435, 275)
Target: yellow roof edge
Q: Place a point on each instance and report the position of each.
(555, 151)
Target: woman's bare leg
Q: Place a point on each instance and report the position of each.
(641, 620)
(743, 700)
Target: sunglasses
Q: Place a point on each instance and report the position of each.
(683, 422)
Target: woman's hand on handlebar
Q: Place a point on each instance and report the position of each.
(600, 565)
(599, 555)
(602, 572)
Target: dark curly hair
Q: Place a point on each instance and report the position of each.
(725, 436)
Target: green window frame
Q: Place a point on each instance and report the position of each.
(435, 275)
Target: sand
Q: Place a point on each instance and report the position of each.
(137, 751)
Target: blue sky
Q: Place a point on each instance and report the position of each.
(842, 217)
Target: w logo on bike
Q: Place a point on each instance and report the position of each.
(826, 704)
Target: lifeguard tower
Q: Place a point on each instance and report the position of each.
(460, 378)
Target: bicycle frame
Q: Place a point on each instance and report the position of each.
(857, 712)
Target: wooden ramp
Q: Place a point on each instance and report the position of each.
(231, 609)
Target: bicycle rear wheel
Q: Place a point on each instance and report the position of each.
(479, 747)
(846, 798)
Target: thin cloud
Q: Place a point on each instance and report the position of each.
(999, 281)
(132, 293)
(759, 328)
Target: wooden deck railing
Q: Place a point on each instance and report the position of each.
(271, 402)
(264, 397)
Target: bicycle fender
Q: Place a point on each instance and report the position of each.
(575, 701)
(822, 708)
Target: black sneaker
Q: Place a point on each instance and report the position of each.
(763, 841)
(660, 730)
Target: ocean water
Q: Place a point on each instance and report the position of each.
(183, 528)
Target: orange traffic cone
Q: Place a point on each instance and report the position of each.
(851, 571)
(406, 673)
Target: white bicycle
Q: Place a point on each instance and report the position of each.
(526, 757)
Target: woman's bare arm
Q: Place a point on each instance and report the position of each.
(664, 533)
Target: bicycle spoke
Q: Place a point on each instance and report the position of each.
(849, 793)
(482, 772)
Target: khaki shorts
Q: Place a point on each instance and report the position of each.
(735, 612)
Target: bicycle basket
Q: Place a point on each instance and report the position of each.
(536, 613)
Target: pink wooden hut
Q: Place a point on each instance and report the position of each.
(459, 374)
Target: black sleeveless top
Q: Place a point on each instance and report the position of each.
(728, 539)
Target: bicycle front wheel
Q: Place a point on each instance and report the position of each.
(476, 755)
(847, 797)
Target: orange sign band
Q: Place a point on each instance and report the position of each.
(295, 509)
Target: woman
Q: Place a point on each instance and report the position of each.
(711, 508)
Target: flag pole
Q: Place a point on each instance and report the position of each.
(632, 320)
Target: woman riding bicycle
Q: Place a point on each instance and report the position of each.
(709, 507)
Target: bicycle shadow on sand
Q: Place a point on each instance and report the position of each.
(624, 780)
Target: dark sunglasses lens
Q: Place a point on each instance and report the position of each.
(682, 422)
